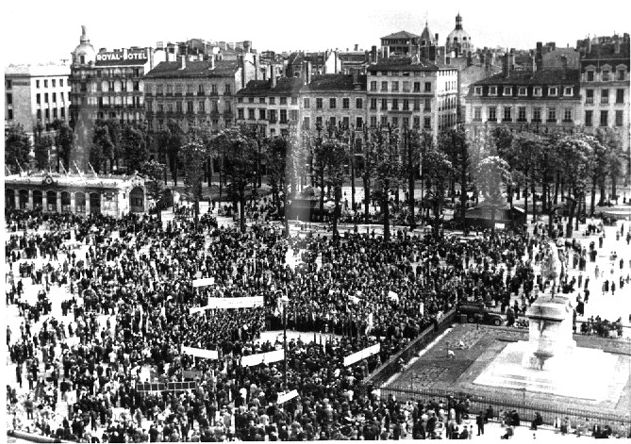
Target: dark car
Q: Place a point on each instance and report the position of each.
(477, 312)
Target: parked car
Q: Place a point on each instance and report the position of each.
(477, 312)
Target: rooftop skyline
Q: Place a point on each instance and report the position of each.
(49, 31)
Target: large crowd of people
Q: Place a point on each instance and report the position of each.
(127, 286)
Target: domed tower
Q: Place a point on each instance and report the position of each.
(84, 54)
(459, 40)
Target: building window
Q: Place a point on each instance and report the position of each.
(332, 103)
(283, 116)
(272, 116)
(250, 99)
(589, 118)
(261, 114)
(10, 114)
(567, 115)
(318, 103)
(359, 103)
(477, 91)
(294, 100)
(45, 83)
(522, 91)
(373, 121)
(395, 122)
(384, 86)
(36, 83)
(9, 99)
(568, 91)
(552, 115)
(346, 103)
(427, 123)
(604, 118)
(293, 115)
(283, 100)
(416, 122)
(492, 112)
(521, 114)
(189, 107)
(417, 105)
(395, 104)
(306, 123)
(201, 106)
(227, 89)
(619, 118)
(306, 103)
(373, 85)
(536, 91)
(536, 114)
(54, 113)
(590, 76)
(492, 90)
(417, 87)
(427, 105)
(61, 83)
(508, 91)
(406, 86)
(39, 114)
(45, 97)
(605, 75)
(240, 114)
(359, 123)
(373, 103)
(395, 86)
(47, 113)
(332, 121)
(589, 96)
(63, 113)
(406, 105)
(620, 96)
(384, 104)
(428, 87)
(178, 106)
(604, 96)
(477, 113)
(552, 91)
(621, 74)
(38, 98)
(345, 122)
(507, 114)
(251, 115)
(272, 100)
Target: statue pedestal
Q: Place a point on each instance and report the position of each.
(550, 362)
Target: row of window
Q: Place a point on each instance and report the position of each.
(604, 96)
(522, 91)
(53, 83)
(190, 107)
(111, 72)
(38, 98)
(604, 118)
(192, 122)
(189, 88)
(58, 113)
(401, 73)
(272, 100)
(405, 105)
(346, 103)
(405, 86)
(536, 114)
(272, 115)
(605, 75)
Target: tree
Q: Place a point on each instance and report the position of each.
(133, 147)
(170, 140)
(114, 150)
(154, 171)
(524, 158)
(454, 144)
(413, 146)
(276, 157)
(576, 154)
(64, 141)
(386, 164)
(193, 156)
(101, 147)
(437, 169)
(330, 155)
(240, 155)
(611, 140)
(17, 147)
(43, 146)
(494, 172)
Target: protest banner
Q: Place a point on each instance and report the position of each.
(263, 358)
(284, 397)
(201, 353)
(204, 282)
(362, 354)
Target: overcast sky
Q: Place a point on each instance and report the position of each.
(44, 30)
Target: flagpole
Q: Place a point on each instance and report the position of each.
(285, 342)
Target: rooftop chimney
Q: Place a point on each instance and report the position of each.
(373, 54)
(211, 59)
(356, 85)
(589, 45)
(539, 56)
(616, 44)
(432, 53)
(182, 62)
(564, 65)
(436, 38)
(505, 62)
(386, 52)
(356, 47)
(272, 76)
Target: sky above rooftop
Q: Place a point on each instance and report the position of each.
(40, 30)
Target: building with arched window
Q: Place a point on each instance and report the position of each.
(459, 40)
(80, 194)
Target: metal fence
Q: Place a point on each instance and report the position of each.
(525, 407)
(389, 368)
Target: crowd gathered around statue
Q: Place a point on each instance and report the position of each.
(126, 310)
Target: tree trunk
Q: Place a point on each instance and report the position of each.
(534, 202)
(285, 212)
(556, 189)
(593, 200)
(569, 226)
(336, 211)
(322, 197)
(366, 200)
(242, 209)
(602, 199)
(385, 209)
(614, 183)
(352, 181)
(526, 199)
(463, 199)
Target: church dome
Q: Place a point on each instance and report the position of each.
(84, 54)
(459, 40)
